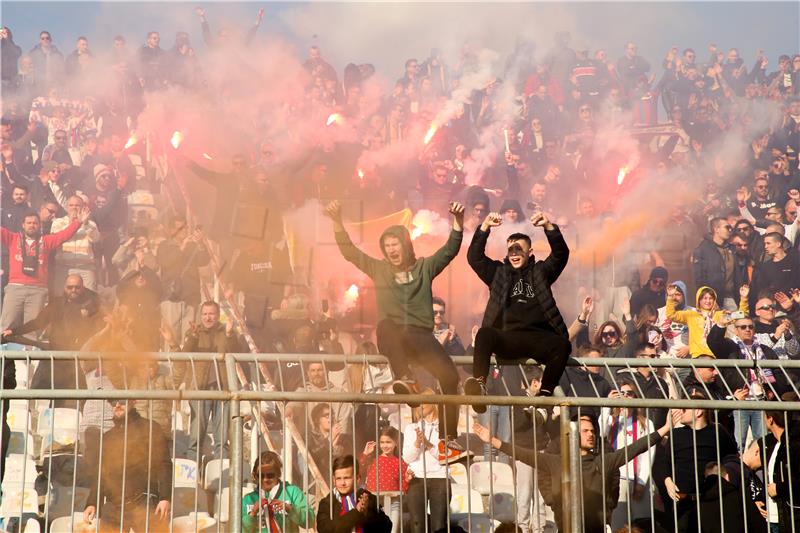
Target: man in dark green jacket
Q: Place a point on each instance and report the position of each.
(405, 305)
(599, 472)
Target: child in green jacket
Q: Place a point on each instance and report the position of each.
(277, 506)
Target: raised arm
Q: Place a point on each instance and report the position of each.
(366, 264)
(447, 253)
(483, 266)
(559, 251)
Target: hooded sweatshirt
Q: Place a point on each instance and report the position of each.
(675, 333)
(698, 321)
(403, 296)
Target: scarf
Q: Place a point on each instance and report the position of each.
(270, 523)
(755, 353)
(348, 503)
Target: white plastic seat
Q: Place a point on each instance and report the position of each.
(458, 474)
(478, 524)
(485, 475)
(20, 470)
(19, 418)
(72, 524)
(464, 500)
(65, 420)
(194, 523)
(185, 473)
(501, 503)
(215, 469)
(221, 503)
(21, 443)
(16, 500)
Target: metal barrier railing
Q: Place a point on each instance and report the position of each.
(571, 489)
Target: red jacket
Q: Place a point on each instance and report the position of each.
(47, 243)
(392, 470)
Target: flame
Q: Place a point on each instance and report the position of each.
(360, 173)
(431, 133)
(621, 176)
(351, 294)
(131, 141)
(177, 139)
(334, 118)
(206, 156)
(420, 228)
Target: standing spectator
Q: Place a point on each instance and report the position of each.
(210, 336)
(776, 334)
(652, 293)
(275, 505)
(78, 58)
(586, 382)
(622, 426)
(647, 383)
(10, 56)
(139, 473)
(782, 455)
(48, 62)
(754, 488)
(139, 294)
(387, 471)
(429, 486)
(179, 257)
(675, 333)
(326, 438)
(681, 466)
(76, 256)
(348, 509)
(109, 212)
(714, 264)
(445, 333)
(780, 272)
(152, 63)
(631, 67)
(29, 250)
(752, 384)
(135, 254)
(9, 377)
(14, 211)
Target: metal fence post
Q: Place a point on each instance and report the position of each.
(235, 428)
(575, 472)
(566, 476)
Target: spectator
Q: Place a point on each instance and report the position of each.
(47, 61)
(387, 471)
(317, 381)
(782, 455)
(10, 54)
(349, 509)
(718, 492)
(76, 256)
(631, 66)
(138, 294)
(152, 63)
(281, 507)
(445, 333)
(652, 293)
(326, 438)
(609, 338)
(675, 333)
(754, 488)
(780, 271)
(139, 473)
(713, 263)
(647, 383)
(776, 334)
(586, 382)
(210, 336)
(26, 292)
(600, 487)
(135, 254)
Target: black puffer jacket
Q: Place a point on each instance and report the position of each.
(497, 275)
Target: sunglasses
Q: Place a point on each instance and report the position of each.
(609, 334)
(657, 281)
(437, 312)
(766, 308)
(746, 326)
(268, 475)
(728, 227)
(72, 287)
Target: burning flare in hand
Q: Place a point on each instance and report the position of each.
(334, 118)
(430, 134)
(177, 139)
(623, 171)
(131, 141)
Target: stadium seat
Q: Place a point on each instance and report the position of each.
(72, 524)
(501, 503)
(194, 523)
(485, 475)
(214, 469)
(59, 418)
(458, 474)
(19, 419)
(464, 500)
(16, 500)
(19, 444)
(185, 473)
(478, 524)
(19, 470)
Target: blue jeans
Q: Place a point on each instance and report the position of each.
(744, 420)
(498, 419)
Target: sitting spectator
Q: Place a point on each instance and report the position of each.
(445, 333)
(275, 505)
(348, 509)
(675, 333)
(326, 439)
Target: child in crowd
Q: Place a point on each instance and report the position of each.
(700, 320)
(276, 506)
(348, 509)
(387, 472)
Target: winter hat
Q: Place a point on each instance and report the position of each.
(100, 169)
(659, 273)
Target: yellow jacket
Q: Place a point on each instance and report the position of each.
(700, 322)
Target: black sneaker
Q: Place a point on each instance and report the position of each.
(405, 386)
(476, 387)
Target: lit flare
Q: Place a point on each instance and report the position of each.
(360, 174)
(334, 118)
(430, 134)
(206, 156)
(351, 294)
(177, 139)
(623, 172)
(131, 141)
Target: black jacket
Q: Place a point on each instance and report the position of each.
(373, 521)
(497, 275)
(69, 324)
(736, 378)
(709, 268)
(734, 515)
(786, 474)
(581, 383)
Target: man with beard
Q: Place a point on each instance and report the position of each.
(405, 310)
(29, 260)
(521, 318)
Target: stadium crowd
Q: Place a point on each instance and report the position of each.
(120, 236)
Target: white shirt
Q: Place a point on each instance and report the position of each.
(772, 507)
(424, 465)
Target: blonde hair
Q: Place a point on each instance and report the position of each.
(416, 412)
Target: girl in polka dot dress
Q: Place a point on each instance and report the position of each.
(386, 472)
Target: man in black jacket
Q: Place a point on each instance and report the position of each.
(347, 509)
(521, 318)
(586, 382)
(134, 475)
(714, 263)
(782, 475)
